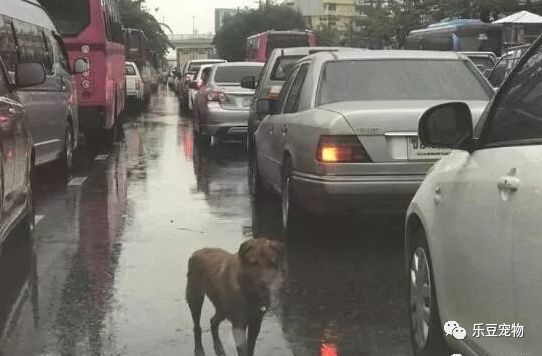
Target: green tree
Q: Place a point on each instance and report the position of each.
(328, 36)
(135, 15)
(230, 40)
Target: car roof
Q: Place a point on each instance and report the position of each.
(28, 11)
(240, 64)
(388, 54)
(304, 51)
(207, 61)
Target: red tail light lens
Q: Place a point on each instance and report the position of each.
(341, 149)
(217, 96)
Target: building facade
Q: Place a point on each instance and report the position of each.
(342, 15)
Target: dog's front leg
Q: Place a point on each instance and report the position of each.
(254, 326)
(240, 337)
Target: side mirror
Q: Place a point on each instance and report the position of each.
(80, 66)
(29, 75)
(266, 107)
(446, 126)
(248, 82)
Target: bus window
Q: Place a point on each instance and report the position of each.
(70, 17)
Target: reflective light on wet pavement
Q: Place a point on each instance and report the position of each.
(106, 274)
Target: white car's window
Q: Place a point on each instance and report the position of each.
(292, 101)
(365, 80)
(130, 70)
(517, 115)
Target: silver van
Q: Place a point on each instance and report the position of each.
(27, 35)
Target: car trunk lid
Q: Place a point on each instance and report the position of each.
(388, 131)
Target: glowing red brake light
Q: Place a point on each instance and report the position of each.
(341, 149)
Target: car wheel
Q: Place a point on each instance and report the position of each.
(425, 325)
(256, 186)
(28, 221)
(291, 214)
(66, 161)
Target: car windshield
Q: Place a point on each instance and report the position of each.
(234, 74)
(483, 63)
(70, 17)
(283, 66)
(401, 79)
(130, 70)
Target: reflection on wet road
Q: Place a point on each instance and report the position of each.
(105, 270)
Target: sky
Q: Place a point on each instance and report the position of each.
(178, 13)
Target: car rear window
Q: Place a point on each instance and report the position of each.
(195, 67)
(234, 74)
(483, 63)
(401, 79)
(283, 66)
(130, 70)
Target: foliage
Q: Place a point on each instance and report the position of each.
(136, 15)
(230, 40)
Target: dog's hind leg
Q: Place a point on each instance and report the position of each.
(194, 297)
(215, 324)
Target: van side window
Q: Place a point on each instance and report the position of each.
(60, 54)
(31, 46)
(8, 46)
(49, 56)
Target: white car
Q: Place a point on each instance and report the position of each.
(134, 84)
(473, 231)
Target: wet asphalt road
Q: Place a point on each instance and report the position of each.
(105, 270)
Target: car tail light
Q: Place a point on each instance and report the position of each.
(341, 149)
(217, 96)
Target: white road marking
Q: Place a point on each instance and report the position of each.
(101, 157)
(38, 218)
(77, 181)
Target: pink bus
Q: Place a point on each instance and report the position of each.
(260, 46)
(92, 29)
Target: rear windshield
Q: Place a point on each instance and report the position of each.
(232, 74)
(195, 67)
(283, 66)
(286, 41)
(130, 70)
(402, 79)
(70, 17)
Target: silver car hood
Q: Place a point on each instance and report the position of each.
(380, 117)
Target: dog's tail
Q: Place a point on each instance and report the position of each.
(195, 292)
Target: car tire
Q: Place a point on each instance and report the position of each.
(291, 214)
(426, 333)
(256, 185)
(27, 223)
(66, 160)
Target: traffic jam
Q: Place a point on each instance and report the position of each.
(309, 200)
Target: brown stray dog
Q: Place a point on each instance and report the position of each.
(239, 286)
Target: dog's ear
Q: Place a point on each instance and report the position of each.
(245, 247)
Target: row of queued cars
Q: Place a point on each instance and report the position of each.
(336, 130)
(38, 107)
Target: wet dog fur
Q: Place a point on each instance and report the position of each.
(239, 286)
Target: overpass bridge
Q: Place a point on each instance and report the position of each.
(191, 46)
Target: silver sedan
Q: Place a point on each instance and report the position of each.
(221, 105)
(342, 138)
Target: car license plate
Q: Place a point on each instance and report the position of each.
(247, 101)
(417, 151)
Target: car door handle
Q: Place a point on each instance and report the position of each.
(508, 183)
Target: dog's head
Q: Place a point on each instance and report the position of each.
(260, 266)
